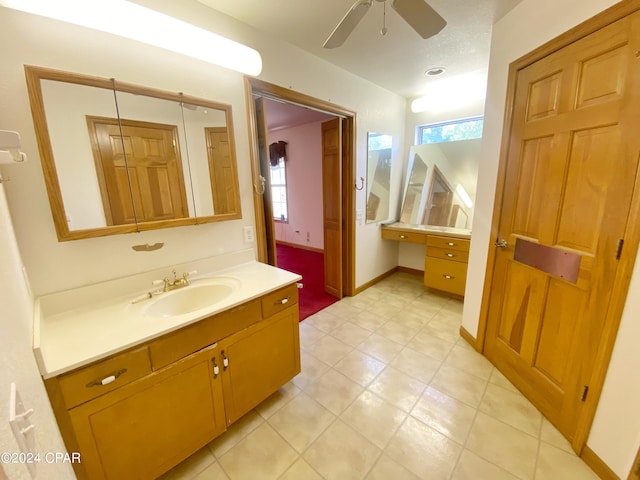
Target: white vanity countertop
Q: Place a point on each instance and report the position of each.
(431, 229)
(77, 327)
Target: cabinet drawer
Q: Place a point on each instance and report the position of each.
(448, 254)
(179, 344)
(448, 243)
(413, 237)
(277, 301)
(445, 275)
(86, 383)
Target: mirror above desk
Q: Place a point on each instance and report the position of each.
(120, 158)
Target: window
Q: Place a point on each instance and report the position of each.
(279, 191)
(464, 129)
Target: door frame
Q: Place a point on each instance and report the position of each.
(254, 86)
(631, 237)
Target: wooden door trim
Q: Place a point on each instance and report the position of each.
(631, 237)
(260, 87)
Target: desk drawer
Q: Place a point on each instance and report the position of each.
(448, 254)
(412, 237)
(448, 243)
(445, 275)
(104, 376)
(277, 301)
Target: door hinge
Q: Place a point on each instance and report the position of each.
(585, 392)
(619, 249)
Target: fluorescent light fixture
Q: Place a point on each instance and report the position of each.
(451, 94)
(142, 24)
(464, 196)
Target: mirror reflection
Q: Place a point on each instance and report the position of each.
(378, 176)
(441, 184)
(121, 158)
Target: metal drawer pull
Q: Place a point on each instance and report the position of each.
(216, 368)
(106, 380)
(225, 360)
(451, 244)
(450, 255)
(403, 236)
(282, 302)
(449, 277)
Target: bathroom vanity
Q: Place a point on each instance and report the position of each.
(446, 253)
(137, 388)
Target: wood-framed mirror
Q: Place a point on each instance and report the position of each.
(120, 158)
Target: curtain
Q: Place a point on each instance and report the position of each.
(277, 151)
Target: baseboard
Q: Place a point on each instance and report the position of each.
(371, 283)
(597, 464)
(469, 338)
(412, 271)
(302, 247)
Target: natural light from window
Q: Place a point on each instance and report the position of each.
(279, 191)
(465, 129)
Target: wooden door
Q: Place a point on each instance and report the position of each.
(260, 359)
(221, 171)
(570, 167)
(270, 229)
(139, 170)
(144, 428)
(634, 474)
(332, 205)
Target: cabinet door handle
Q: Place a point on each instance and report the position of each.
(106, 380)
(282, 302)
(450, 255)
(449, 277)
(225, 360)
(216, 368)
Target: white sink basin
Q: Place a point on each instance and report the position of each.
(200, 294)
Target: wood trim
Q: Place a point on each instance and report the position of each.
(260, 87)
(634, 472)
(597, 464)
(379, 278)
(411, 271)
(301, 247)
(631, 238)
(464, 333)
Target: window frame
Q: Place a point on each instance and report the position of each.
(420, 128)
(283, 165)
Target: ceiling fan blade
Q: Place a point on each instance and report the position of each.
(422, 18)
(347, 24)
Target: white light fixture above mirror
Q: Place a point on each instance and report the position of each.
(136, 22)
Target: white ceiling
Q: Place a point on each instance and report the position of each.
(396, 61)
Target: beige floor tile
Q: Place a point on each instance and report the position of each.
(343, 310)
(312, 369)
(359, 367)
(429, 345)
(334, 391)
(497, 378)
(301, 421)
(424, 451)
(442, 329)
(503, 445)
(350, 334)
(388, 469)
(459, 384)
(554, 464)
(416, 365)
(368, 320)
(376, 419)
(301, 470)
(270, 456)
(470, 362)
(552, 436)
(397, 331)
(342, 453)
(235, 433)
(324, 320)
(472, 467)
(425, 310)
(329, 349)
(512, 408)
(309, 334)
(193, 465)
(276, 401)
(445, 414)
(380, 347)
(397, 388)
(453, 305)
(385, 310)
(212, 472)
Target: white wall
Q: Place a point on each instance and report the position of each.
(304, 186)
(615, 434)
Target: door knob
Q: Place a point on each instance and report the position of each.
(501, 243)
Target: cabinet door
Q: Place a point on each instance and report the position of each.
(259, 360)
(143, 429)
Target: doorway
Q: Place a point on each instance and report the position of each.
(339, 249)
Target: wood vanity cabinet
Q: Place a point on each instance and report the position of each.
(445, 264)
(173, 395)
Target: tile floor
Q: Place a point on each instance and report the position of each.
(389, 390)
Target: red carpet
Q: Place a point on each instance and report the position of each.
(312, 297)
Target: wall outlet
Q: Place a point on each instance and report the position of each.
(308, 237)
(249, 236)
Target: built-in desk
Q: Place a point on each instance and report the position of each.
(446, 254)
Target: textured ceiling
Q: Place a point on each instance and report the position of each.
(396, 61)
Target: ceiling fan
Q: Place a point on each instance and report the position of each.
(420, 16)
